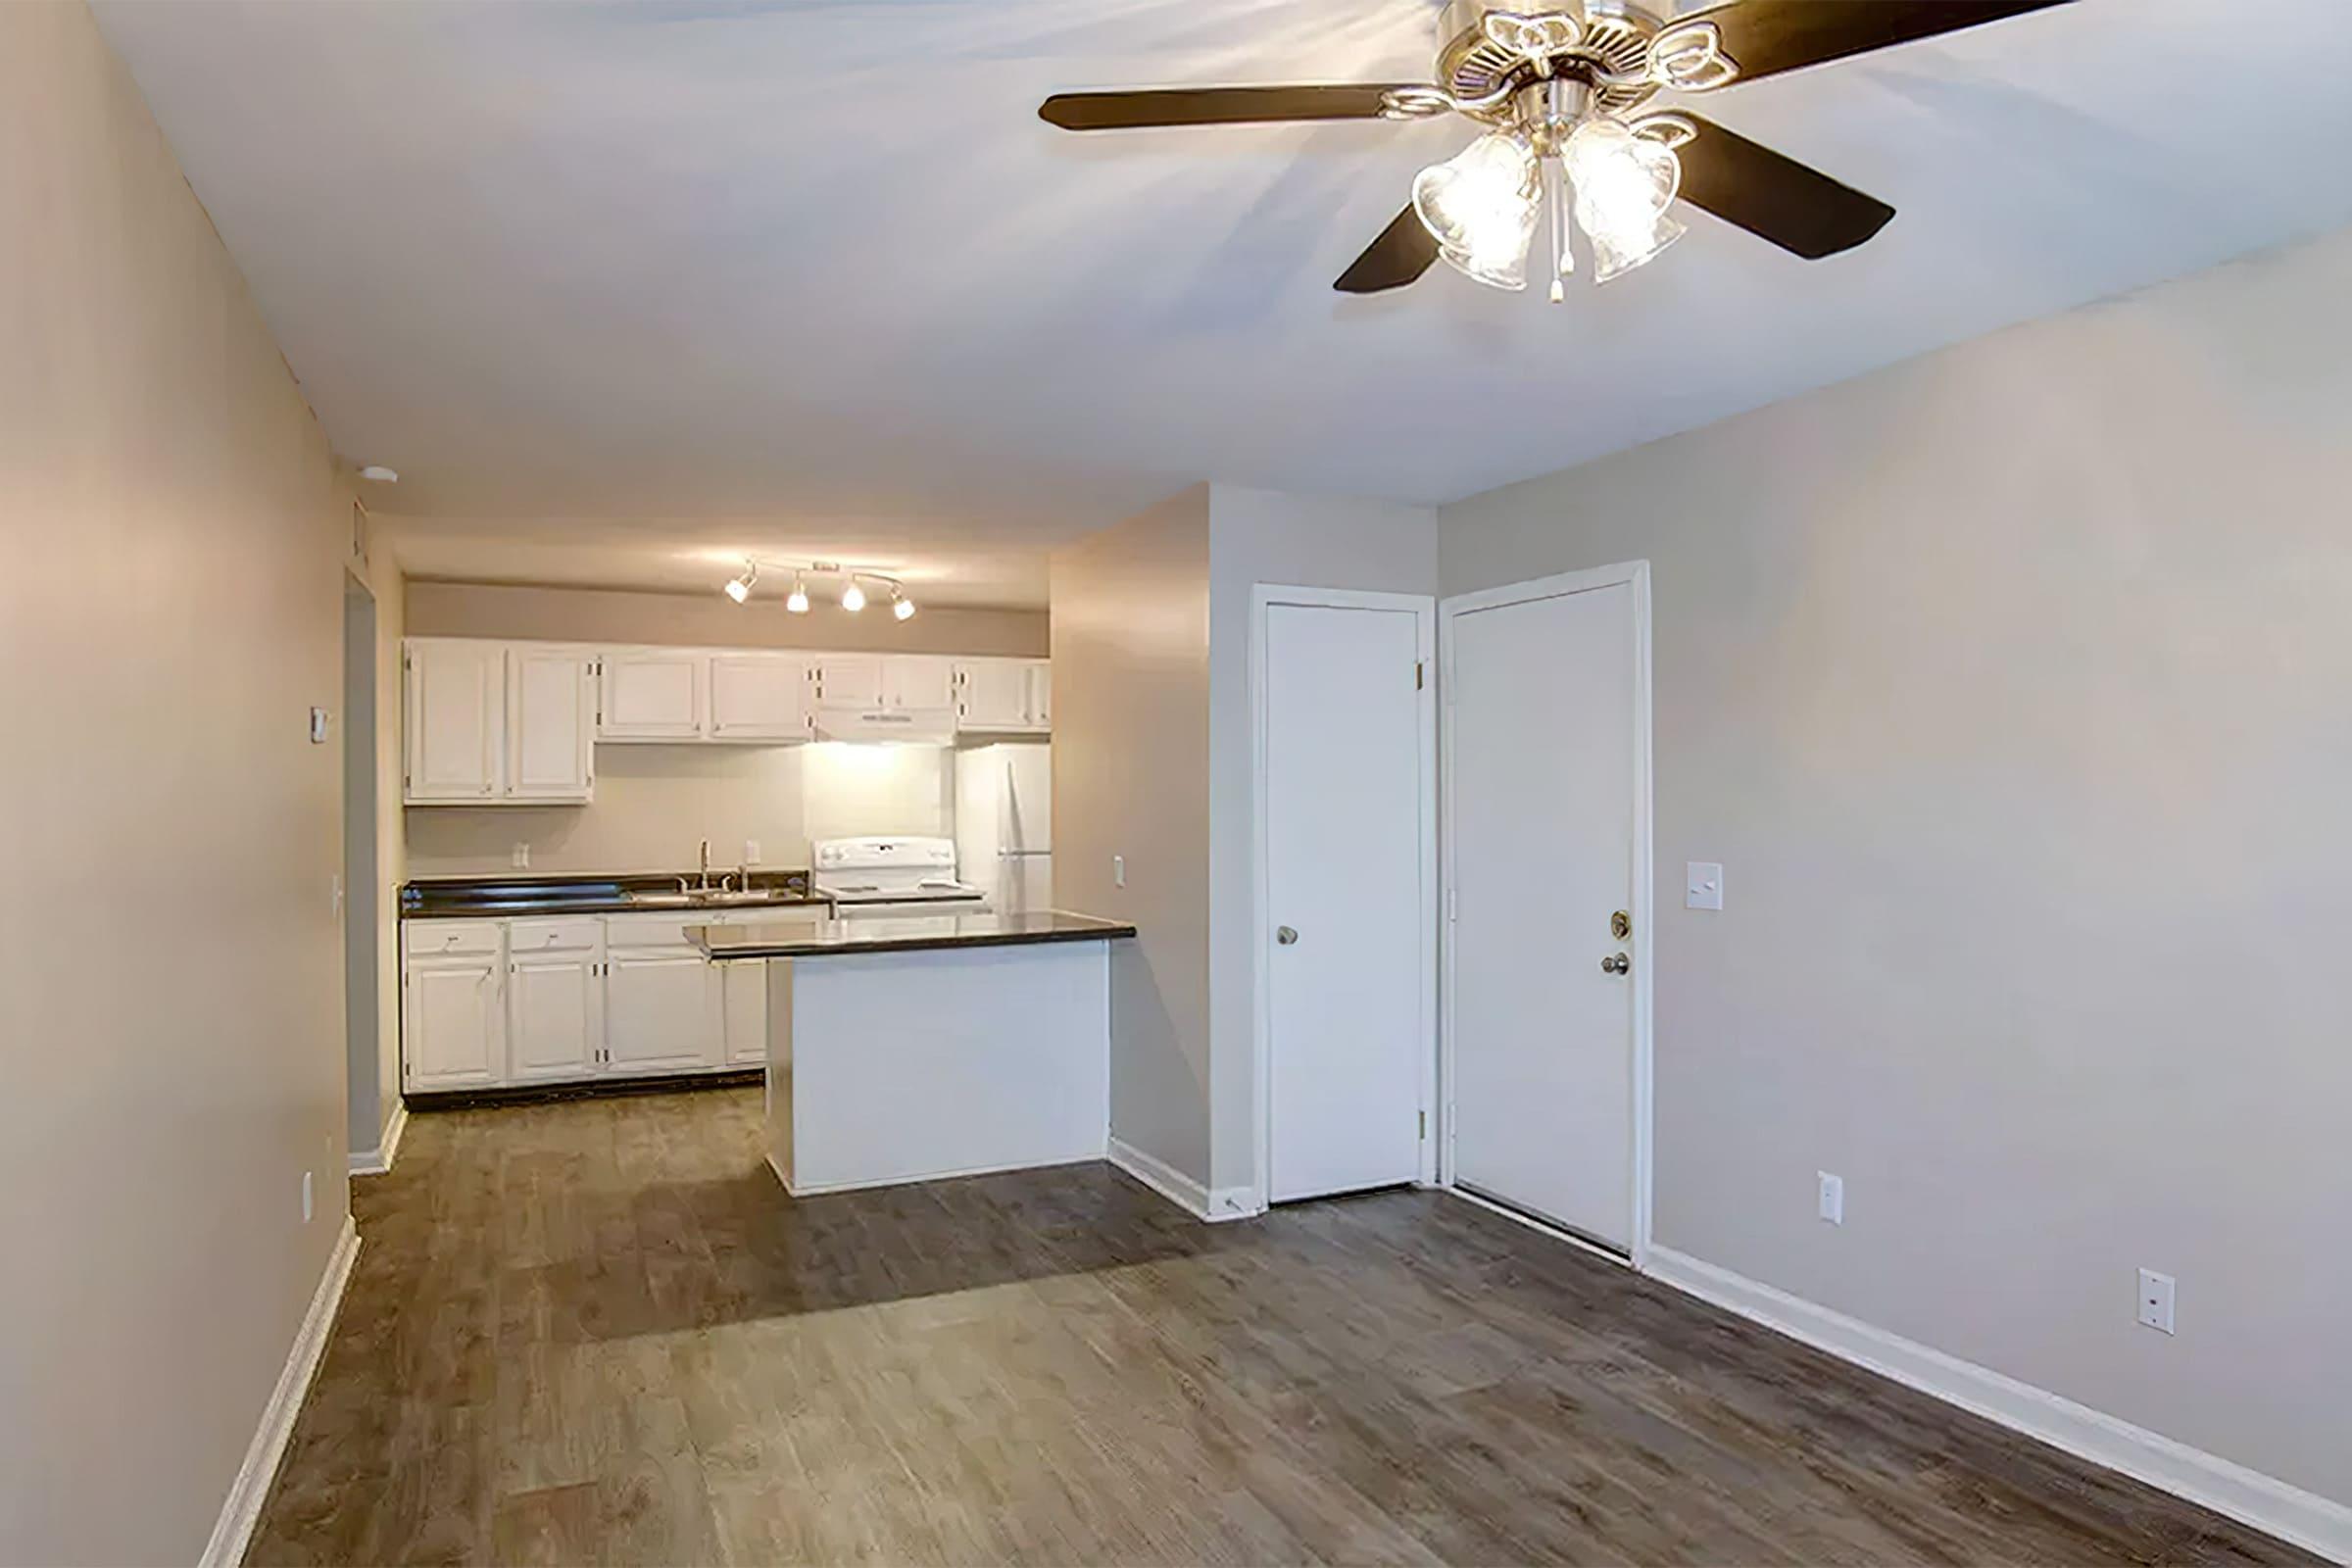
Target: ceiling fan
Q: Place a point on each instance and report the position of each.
(1563, 93)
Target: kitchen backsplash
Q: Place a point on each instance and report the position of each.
(655, 803)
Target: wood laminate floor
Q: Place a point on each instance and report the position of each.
(597, 1330)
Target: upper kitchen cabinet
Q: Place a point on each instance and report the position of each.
(456, 712)
(915, 680)
(761, 697)
(494, 725)
(1004, 696)
(850, 680)
(551, 726)
(654, 694)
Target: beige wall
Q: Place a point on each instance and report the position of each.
(2010, 687)
(372, 562)
(601, 615)
(1130, 614)
(170, 609)
(654, 804)
(1300, 541)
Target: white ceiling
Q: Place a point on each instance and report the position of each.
(624, 289)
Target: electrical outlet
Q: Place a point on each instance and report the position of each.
(1832, 1197)
(1118, 870)
(751, 852)
(307, 1197)
(522, 858)
(2156, 1301)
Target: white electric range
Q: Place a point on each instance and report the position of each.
(874, 877)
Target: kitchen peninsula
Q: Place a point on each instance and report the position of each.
(906, 1049)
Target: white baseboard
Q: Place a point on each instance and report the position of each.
(378, 1160)
(1202, 1203)
(232, 1532)
(2289, 1512)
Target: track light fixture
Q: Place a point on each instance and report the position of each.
(853, 581)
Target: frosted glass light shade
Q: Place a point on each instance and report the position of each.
(1624, 185)
(1479, 206)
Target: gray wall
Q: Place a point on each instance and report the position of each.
(2010, 686)
(1268, 536)
(171, 609)
(1130, 616)
(605, 614)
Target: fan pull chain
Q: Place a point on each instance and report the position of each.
(1555, 196)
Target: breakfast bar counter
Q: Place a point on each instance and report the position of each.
(908, 1050)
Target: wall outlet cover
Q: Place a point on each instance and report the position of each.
(751, 852)
(2156, 1292)
(1702, 887)
(1118, 870)
(523, 856)
(1832, 1196)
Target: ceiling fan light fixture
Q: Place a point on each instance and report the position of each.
(1480, 207)
(1624, 185)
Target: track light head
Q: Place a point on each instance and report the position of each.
(901, 605)
(797, 602)
(853, 597)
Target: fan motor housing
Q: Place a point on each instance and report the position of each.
(1613, 40)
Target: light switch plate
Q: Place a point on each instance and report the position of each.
(751, 852)
(1118, 870)
(1702, 887)
(319, 723)
(1832, 1196)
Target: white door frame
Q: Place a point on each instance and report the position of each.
(1636, 575)
(1423, 609)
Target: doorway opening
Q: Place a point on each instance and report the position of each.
(362, 908)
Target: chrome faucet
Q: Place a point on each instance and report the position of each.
(706, 863)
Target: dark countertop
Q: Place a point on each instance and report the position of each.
(821, 939)
(492, 897)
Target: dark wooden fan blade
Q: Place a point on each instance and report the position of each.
(1776, 198)
(1765, 37)
(1214, 106)
(1404, 250)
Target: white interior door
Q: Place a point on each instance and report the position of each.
(1348, 1043)
(1542, 699)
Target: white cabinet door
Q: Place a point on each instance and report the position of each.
(654, 694)
(454, 702)
(555, 1016)
(1039, 693)
(661, 1010)
(744, 989)
(994, 694)
(551, 725)
(453, 1033)
(759, 697)
(912, 680)
(850, 680)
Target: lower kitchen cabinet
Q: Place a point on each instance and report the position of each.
(743, 997)
(489, 1003)
(555, 999)
(453, 1029)
(661, 1010)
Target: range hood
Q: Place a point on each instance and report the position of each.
(900, 726)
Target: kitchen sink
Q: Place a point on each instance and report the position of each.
(699, 898)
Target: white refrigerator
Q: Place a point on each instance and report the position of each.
(1005, 823)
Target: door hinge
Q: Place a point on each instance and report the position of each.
(1417, 674)
(1424, 1126)
(1453, 904)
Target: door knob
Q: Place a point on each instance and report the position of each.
(1616, 963)
(1285, 935)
